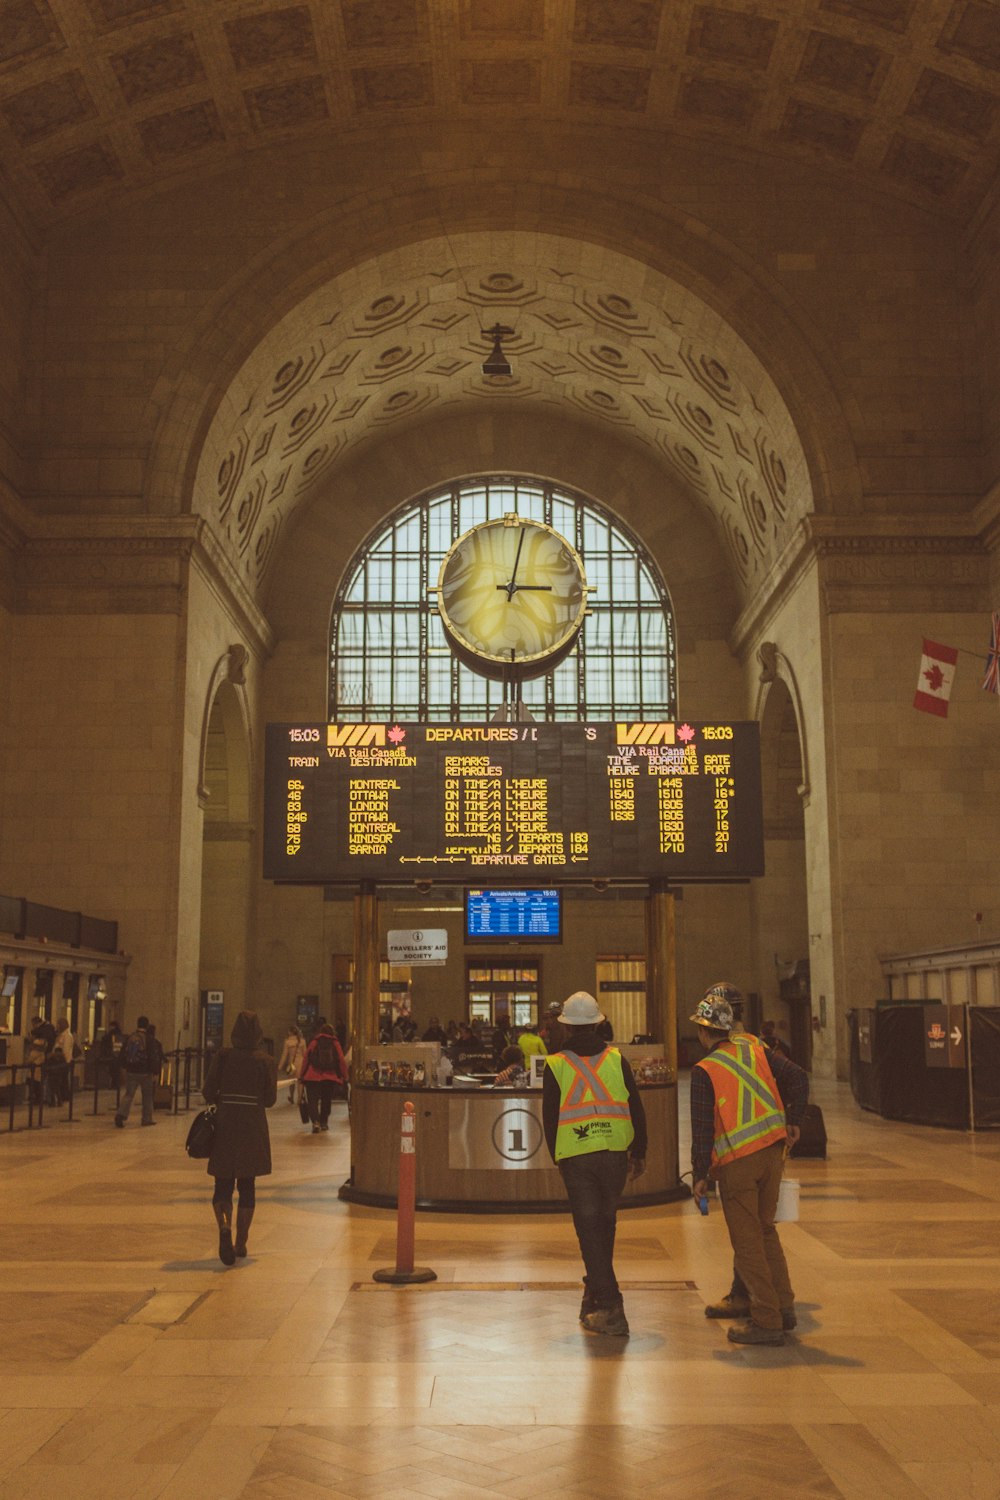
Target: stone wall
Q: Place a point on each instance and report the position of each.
(918, 797)
(985, 283)
(89, 780)
(18, 276)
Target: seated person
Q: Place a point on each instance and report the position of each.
(470, 1054)
(513, 1073)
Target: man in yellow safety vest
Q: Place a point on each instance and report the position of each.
(595, 1129)
(739, 1134)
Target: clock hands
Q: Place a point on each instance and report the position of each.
(512, 588)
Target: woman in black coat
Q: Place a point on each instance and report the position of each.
(242, 1083)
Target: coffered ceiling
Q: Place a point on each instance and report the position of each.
(603, 339)
(100, 96)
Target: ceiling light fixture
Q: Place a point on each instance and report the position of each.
(497, 363)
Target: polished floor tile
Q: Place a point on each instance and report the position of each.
(134, 1366)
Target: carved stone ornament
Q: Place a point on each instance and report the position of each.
(236, 665)
(767, 655)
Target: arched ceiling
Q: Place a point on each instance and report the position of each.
(98, 97)
(597, 336)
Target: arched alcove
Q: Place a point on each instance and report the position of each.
(226, 871)
(779, 904)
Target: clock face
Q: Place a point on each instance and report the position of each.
(512, 593)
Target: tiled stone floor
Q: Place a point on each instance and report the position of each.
(133, 1366)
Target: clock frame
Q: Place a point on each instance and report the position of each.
(512, 596)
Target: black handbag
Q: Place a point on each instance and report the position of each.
(201, 1135)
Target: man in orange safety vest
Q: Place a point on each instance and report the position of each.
(739, 1135)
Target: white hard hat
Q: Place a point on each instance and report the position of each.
(581, 1009)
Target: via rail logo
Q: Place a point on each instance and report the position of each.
(517, 1135)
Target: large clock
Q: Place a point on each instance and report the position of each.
(512, 595)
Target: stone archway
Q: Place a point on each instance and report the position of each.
(225, 796)
(779, 902)
(598, 335)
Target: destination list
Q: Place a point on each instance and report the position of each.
(345, 802)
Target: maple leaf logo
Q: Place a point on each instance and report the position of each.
(397, 735)
(685, 733)
(935, 678)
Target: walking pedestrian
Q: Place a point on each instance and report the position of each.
(595, 1129)
(137, 1061)
(740, 1131)
(324, 1073)
(242, 1083)
(292, 1052)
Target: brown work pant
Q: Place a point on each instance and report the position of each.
(749, 1188)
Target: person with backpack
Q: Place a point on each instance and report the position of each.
(323, 1072)
(137, 1062)
(242, 1083)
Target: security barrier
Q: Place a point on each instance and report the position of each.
(26, 1089)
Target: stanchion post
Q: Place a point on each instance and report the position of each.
(968, 1070)
(404, 1272)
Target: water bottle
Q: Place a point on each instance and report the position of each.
(703, 1204)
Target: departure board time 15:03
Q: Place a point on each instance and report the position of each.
(348, 802)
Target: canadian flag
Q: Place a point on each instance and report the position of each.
(937, 673)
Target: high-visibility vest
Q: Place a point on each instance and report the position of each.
(594, 1113)
(748, 1109)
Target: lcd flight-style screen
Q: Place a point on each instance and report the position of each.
(508, 803)
(504, 913)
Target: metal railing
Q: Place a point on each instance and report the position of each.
(28, 1090)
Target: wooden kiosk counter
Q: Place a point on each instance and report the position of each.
(482, 1149)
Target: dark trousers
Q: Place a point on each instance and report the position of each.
(594, 1185)
(56, 1076)
(319, 1096)
(224, 1190)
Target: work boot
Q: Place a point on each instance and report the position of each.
(728, 1307)
(788, 1319)
(609, 1320)
(588, 1304)
(224, 1219)
(244, 1218)
(752, 1333)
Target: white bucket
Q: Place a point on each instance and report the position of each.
(787, 1211)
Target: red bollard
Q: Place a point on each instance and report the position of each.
(406, 1201)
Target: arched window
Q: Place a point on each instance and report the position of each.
(389, 658)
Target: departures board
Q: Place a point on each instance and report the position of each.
(512, 802)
